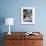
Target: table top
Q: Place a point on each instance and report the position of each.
(22, 35)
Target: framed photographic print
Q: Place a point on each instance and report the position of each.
(27, 15)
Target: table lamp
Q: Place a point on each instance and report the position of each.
(9, 21)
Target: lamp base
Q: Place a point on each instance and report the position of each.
(9, 33)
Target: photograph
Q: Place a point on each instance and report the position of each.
(27, 15)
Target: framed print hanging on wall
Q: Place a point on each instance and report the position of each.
(27, 15)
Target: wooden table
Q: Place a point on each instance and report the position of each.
(20, 39)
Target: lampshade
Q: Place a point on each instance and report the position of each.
(9, 21)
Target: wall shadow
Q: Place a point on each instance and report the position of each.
(2, 21)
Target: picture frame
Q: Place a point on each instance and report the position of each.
(27, 15)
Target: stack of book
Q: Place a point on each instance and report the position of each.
(30, 33)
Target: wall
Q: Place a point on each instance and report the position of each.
(12, 8)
